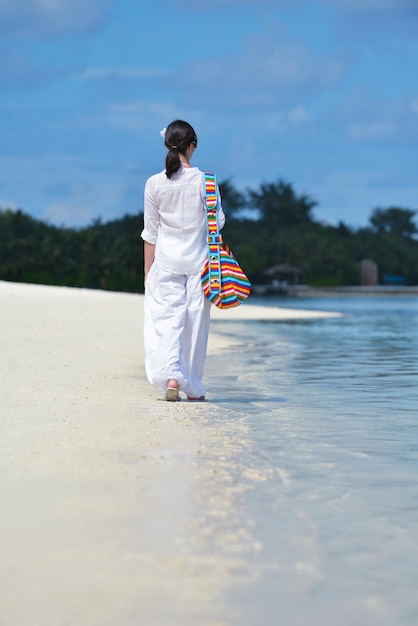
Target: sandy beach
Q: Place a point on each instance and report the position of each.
(117, 508)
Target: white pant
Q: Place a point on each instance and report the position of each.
(176, 330)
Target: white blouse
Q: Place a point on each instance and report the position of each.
(175, 220)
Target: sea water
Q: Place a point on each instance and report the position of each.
(321, 476)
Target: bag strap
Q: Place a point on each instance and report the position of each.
(214, 238)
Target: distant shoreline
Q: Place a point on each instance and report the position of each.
(304, 291)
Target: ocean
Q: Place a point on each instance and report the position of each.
(315, 465)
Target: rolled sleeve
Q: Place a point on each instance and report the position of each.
(149, 237)
(151, 215)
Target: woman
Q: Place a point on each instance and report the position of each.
(177, 313)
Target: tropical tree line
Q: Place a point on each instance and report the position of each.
(265, 227)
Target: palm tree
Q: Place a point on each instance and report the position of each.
(279, 204)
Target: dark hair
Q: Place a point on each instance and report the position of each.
(178, 137)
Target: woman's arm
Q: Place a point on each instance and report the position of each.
(149, 253)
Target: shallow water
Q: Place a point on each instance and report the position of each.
(322, 471)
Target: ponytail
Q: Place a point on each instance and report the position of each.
(172, 161)
(178, 137)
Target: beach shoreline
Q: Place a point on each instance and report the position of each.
(115, 499)
(307, 292)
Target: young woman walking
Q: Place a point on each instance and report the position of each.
(176, 316)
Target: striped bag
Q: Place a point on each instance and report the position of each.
(224, 283)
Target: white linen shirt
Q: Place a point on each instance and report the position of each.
(175, 220)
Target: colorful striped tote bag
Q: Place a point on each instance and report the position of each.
(224, 283)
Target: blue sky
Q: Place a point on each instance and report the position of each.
(320, 93)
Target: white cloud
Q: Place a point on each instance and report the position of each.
(299, 115)
(18, 72)
(286, 64)
(269, 70)
(367, 117)
(225, 4)
(137, 116)
(372, 130)
(355, 5)
(367, 5)
(124, 73)
(7, 204)
(50, 17)
(277, 122)
(350, 195)
(140, 116)
(69, 189)
(65, 214)
(413, 105)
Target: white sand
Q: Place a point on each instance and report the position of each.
(113, 513)
(249, 311)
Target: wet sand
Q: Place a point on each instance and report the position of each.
(117, 507)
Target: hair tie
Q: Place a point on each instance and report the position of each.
(174, 147)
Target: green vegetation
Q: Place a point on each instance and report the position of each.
(265, 227)
(100, 256)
